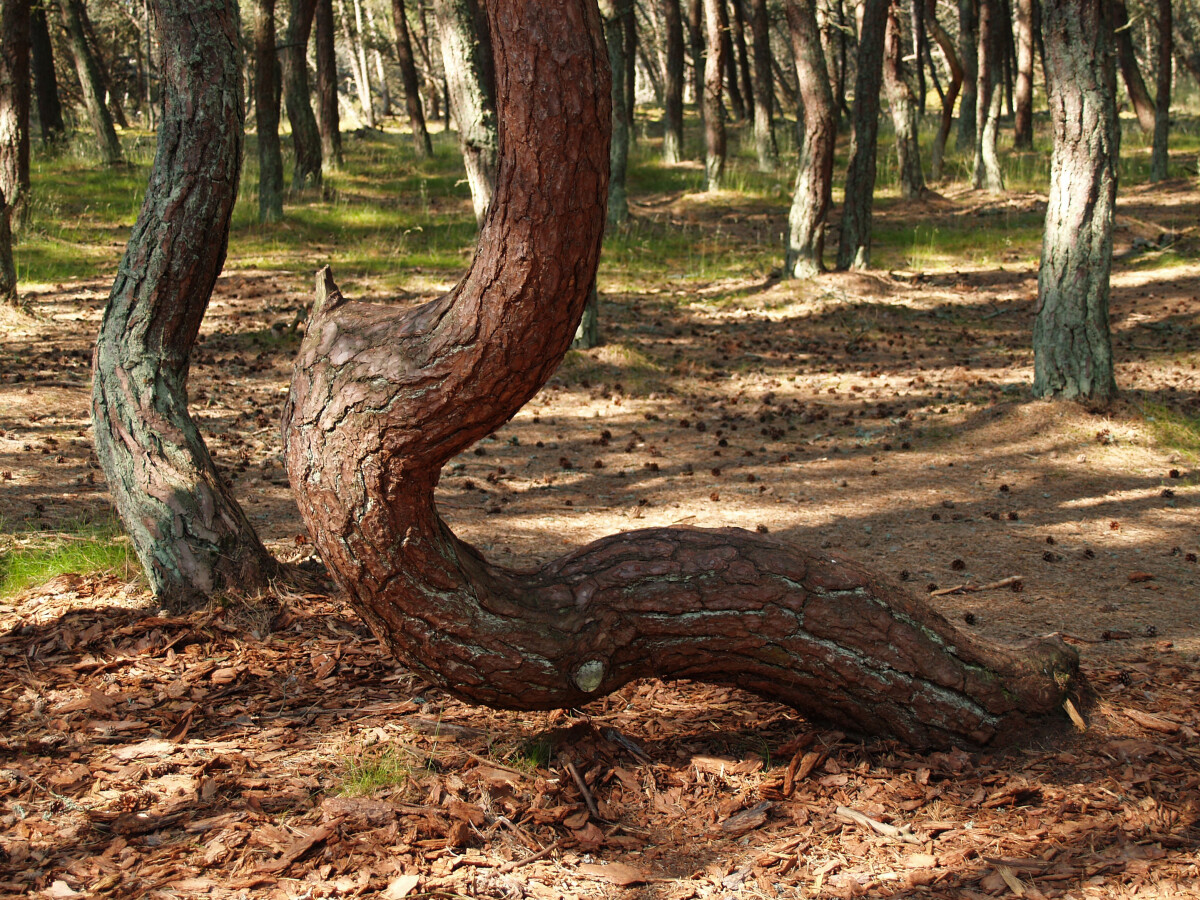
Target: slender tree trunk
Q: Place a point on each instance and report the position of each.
(412, 89)
(613, 13)
(697, 41)
(372, 33)
(629, 34)
(306, 137)
(917, 23)
(737, 105)
(1072, 344)
(89, 81)
(45, 82)
(329, 122)
(968, 54)
(1162, 100)
(764, 88)
(742, 56)
(956, 81)
(266, 114)
(106, 89)
(358, 59)
(189, 532)
(1023, 122)
(673, 93)
(854, 246)
(428, 75)
(1135, 85)
(814, 179)
(381, 399)
(986, 172)
(466, 56)
(903, 105)
(714, 110)
(14, 114)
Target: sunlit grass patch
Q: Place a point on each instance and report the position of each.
(366, 769)
(30, 559)
(1174, 431)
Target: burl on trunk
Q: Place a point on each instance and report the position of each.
(382, 398)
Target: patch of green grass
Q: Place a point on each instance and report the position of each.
(33, 558)
(533, 754)
(367, 769)
(1174, 431)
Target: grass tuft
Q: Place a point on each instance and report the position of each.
(33, 559)
(1174, 431)
(367, 769)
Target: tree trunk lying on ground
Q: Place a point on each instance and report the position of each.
(382, 398)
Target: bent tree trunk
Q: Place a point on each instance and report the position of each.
(1135, 85)
(381, 399)
(814, 179)
(1072, 344)
(187, 529)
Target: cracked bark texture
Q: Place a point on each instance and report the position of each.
(814, 177)
(381, 398)
(1072, 343)
(190, 534)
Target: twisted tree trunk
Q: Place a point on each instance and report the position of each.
(189, 532)
(380, 400)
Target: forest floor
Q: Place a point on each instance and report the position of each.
(268, 747)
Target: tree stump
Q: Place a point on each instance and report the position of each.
(381, 399)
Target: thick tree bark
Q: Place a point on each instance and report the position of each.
(266, 114)
(968, 54)
(90, 83)
(854, 244)
(673, 91)
(45, 82)
(380, 400)
(714, 110)
(814, 179)
(1162, 99)
(902, 104)
(466, 56)
(14, 113)
(938, 153)
(187, 529)
(306, 137)
(1135, 85)
(328, 120)
(412, 89)
(1023, 98)
(765, 147)
(1071, 340)
(986, 172)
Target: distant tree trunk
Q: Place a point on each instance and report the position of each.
(613, 12)
(968, 54)
(45, 82)
(764, 88)
(429, 74)
(89, 81)
(919, 41)
(306, 137)
(353, 32)
(742, 56)
(266, 114)
(14, 116)
(854, 245)
(814, 179)
(673, 93)
(698, 44)
(714, 110)
(1023, 122)
(986, 172)
(629, 34)
(956, 81)
(1072, 344)
(903, 105)
(189, 532)
(106, 89)
(381, 398)
(737, 105)
(836, 45)
(1162, 100)
(1135, 85)
(373, 38)
(329, 123)
(412, 88)
(467, 59)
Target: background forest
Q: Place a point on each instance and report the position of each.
(817, 317)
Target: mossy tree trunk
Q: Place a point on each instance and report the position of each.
(1072, 343)
(381, 399)
(673, 90)
(814, 179)
(854, 245)
(189, 532)
(422, 145)
(266, 114)
(306, 136)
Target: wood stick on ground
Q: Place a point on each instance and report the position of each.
(583, 789)
(903, 833)
(974, 589)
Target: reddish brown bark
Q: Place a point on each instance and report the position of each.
(380, 400)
